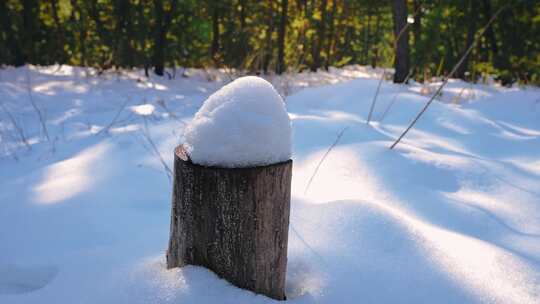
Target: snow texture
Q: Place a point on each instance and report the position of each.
(452, 215)
(244, 124)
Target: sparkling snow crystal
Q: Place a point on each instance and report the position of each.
(244, 124)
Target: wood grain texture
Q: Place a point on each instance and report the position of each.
(232, 221)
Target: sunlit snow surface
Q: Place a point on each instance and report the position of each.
(452, 215)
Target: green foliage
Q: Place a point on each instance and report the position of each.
(244, 34)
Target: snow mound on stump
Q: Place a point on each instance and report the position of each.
(244, 124)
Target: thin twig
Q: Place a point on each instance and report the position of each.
(394, 98)
(457, 98)
(5, 146)
(340, 134)
(394, 45)
(17, 127)
(162, 104)
(445, 81)
(308, 246)
(115, 118)
(375, 97)
(146, 134)
(38, 111)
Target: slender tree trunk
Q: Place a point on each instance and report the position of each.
(269, 49)
(163, 21)
(281, 37)
(342, 29)
(80, 21)
(30, 36)
(367, 37)
(243, 44)
(122, 51)
(490, 34)
(330, 43)
(471, 30)
(401, 63)
(60, 58)
(215, 32)
(159, 39)
(103, 33)
(319, 40)
(375, 58)
(12, 40)
(417, 32)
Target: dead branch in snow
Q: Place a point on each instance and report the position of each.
(445, 81)
(394, 98)
(457, 98)
(162, 104)
(18, 128)
(115, 118)
(34, 105)
(375, 97)
(340, 134)
(394, 45)
(146, 134)
(4, 144)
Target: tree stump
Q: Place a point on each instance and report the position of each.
(233, 221)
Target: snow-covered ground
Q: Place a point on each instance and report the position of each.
(452, 215)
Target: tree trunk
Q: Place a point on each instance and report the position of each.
(163, 21)
(268, 50)
(30, 9)
(417, 32)
(123, 53)
(375, 58)
(367, 37)
(232, 221)
(330, 43)
(214, 49)
(471, 30)
(11, 41)
(490, 34)
(60, 56)
(401, 63)
(281, 37)
(318, 41)
(243, 41)
(158, 56)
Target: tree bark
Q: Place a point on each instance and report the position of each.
(401, 63)
(232, 221)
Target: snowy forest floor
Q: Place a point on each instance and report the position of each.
(452, 215)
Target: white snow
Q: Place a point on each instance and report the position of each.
(243, 124)
(452, 215)
(144, 109)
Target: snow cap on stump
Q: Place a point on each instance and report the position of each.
(244, 124)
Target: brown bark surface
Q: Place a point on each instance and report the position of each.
(232, 221)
